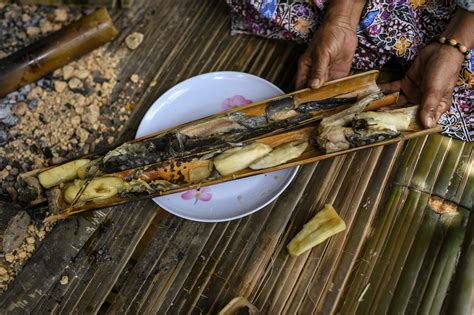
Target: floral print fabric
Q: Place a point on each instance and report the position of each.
(387, 29)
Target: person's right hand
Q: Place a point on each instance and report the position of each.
(328, 56)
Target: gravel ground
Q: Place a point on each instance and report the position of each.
(71, 112)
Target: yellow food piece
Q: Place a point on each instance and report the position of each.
(200, 173)
(60, 174)
(237, 159)
(98, 188)
(323, 225)
(280, 155)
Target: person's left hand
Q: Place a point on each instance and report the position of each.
(430, 82)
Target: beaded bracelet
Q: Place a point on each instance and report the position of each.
(452, 42)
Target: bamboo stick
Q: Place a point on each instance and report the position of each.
(53, 51)
(412, 266)
(430, 161)
(450, 163)
(462, 293)
(443, 271)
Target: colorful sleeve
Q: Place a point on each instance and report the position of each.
(466, 4)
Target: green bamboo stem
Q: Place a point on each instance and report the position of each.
(412, 267)
(449, 166)
(430, 162)
(374, 246)
(462, 301)
(445, 264)
(408, 161)
(399, 249)
(463, 169)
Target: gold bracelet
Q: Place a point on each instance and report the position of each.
(452, 42)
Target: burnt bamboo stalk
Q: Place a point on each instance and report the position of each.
(56, 50)
(446, 261)
(462, 294)
(306, 158)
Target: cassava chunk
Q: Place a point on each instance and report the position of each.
(237, 159)
(323, 225)
(280, 155)
(98, 188)
(60, 174)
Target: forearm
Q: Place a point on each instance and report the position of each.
(461, 28)
(345, 12)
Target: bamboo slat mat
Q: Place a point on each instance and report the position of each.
(398, 254)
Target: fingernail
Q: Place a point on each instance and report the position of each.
(315, 83)
(429, 122)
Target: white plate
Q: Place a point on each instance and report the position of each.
(202, 96)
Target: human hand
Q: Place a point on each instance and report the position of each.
(431, 79)
(328, 56)
(430, 82)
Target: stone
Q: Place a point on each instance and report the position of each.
(59, 86)
(45, 26)
(32, 31)
(30, 240)
(91, 114)
(9, 257)
(68, 71)
(16, 231)
(20, 109)
(134, 40)
(3, 271)
(3, 137)
(81, 74)
(75, 83)
(60, 15)
(134, 78)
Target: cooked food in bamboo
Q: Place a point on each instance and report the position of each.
(98, 188)
(61, 174)
(323, 225)
(237, 159)
(242, 142)
(353, 128)
(280, 155)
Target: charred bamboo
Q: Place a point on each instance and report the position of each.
(51, 52)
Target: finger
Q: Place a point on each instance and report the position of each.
(302, 74)
(319, 70)
(443, 106)
(391, 87)
(431, 101)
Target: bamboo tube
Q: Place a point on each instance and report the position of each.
(430, 161)
(360, 284)
(412, 266)
(462, 295)
(386, 273)
(446, 173)
(443, 271)
(51, 52)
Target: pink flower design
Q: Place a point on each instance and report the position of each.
(203, 194)
(234, 101)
